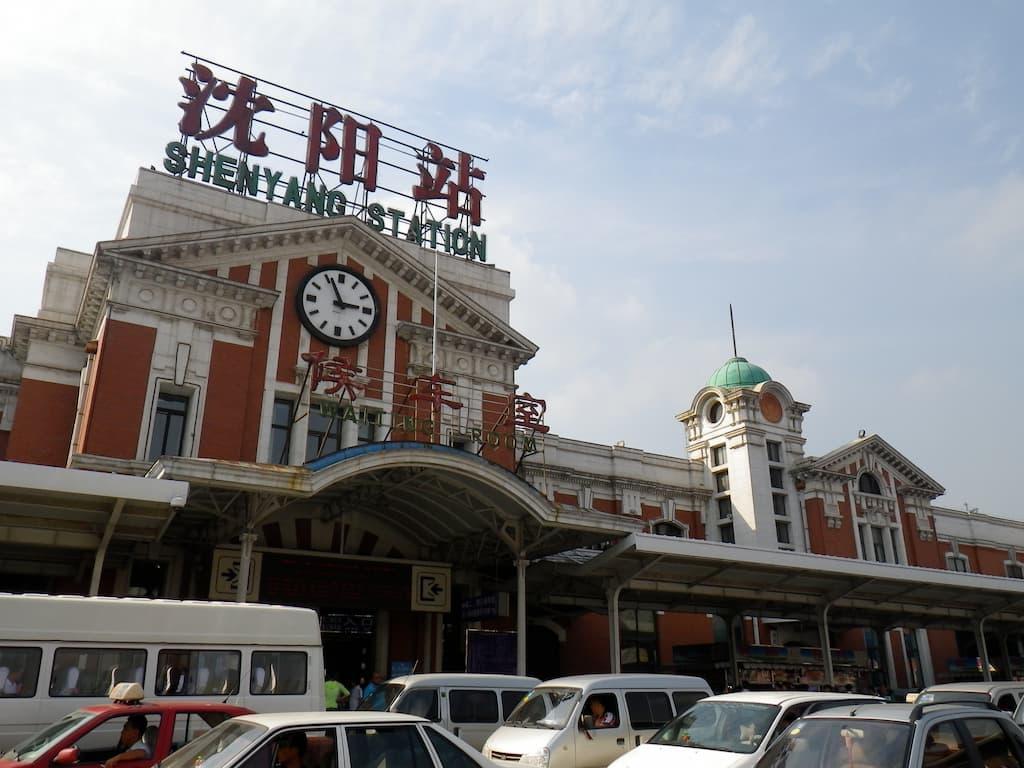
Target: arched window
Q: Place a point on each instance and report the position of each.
(868, 483)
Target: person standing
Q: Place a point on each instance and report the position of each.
(355, 696)
(334, 693)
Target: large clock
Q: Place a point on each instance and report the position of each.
(337, 305)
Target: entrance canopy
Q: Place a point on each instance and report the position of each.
(724, 579)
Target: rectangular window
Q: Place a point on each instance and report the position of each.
(473, 706)
(718, 456)
(278, 673)
(280, 430)
(779, 505)
(324, 435)
(168, 426)
(1015, 570)
(782, 532)
(368, 422)
(894, 535)
(19, 671)
(721, 482)
(878, 541)
(727, 534)
(187, 672)
(509, 701)
(648, 709)
(392, 746)
(724, 508)
(94, 671)
(774, 451)
(957, 563)
(863, 541)
(775, 474)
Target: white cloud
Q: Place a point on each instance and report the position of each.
(715, 125)
(888, 96)
(829, 54)
(743, 60)
(992, 232)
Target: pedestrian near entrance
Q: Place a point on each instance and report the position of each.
(376, 680)
(334, 693)
(355, 696)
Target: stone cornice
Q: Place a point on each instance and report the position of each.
(27, 329)
(579, 479)
(463, 343)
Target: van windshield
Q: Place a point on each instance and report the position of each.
(382, 698)
(33, 746)
(216, 747)
(545, 708)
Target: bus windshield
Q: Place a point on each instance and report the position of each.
(36, 745)
(545, 708)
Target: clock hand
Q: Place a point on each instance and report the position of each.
(337, 293)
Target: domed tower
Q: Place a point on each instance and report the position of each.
(748, 431)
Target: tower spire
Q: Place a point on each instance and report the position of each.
(732, 324)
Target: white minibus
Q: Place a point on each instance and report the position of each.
(587, 721)
(59, 653)
(470, 705)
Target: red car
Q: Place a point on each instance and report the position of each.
(90, 736)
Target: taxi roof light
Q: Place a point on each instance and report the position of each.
(126, 693)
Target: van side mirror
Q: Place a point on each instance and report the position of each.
(586, 722)
(67, 756)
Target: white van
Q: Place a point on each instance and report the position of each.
(471, 706)
(588, 721)
(61, 653)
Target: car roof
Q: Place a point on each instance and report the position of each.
(468, 679)
(158, 707)
(288, 719)
(973, 687)
(788, 697)
(901, 713)
(620, 680)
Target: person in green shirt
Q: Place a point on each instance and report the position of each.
(334, 693)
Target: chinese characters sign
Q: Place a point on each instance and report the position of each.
(339, 156)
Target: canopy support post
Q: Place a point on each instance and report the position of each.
(521, 564)
(826, 645)
(979, 634)
(614, 642)
(101, 552)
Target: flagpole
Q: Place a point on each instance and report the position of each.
(433, 351)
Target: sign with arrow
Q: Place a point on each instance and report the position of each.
(431, 589)
(227, 565)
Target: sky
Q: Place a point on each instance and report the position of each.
(850, 176)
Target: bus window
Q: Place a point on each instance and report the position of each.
(19, 671)
(278, 673)
(197, 673)
(94, 671)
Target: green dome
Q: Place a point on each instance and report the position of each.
(738, 373)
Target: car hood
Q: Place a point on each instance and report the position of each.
(520, 741)
(665, 756)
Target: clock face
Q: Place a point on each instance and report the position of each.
(337, 305)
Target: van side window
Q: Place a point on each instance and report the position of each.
(197, 673)
(93, 671)
(509, 701)
(473, 706)
(421, 702)
(449, 754)
(603, 709)
(277, 673)
(19, 671)
(683, 700)
(648, 709)
(1007, 703)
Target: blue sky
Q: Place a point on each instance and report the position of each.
(849, 176)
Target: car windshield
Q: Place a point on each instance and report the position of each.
(382, 698)
(32, 747)
(724, 726)
(216, 747)
(826, 743)
(545, 708)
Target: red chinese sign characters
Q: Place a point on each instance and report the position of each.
(528, 412)
(244, 104)
(331, 136)
(434, 392)
(337, 371)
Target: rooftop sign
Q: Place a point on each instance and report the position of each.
(237, 131)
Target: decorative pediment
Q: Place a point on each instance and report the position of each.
(198, 251)
(876, 454)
